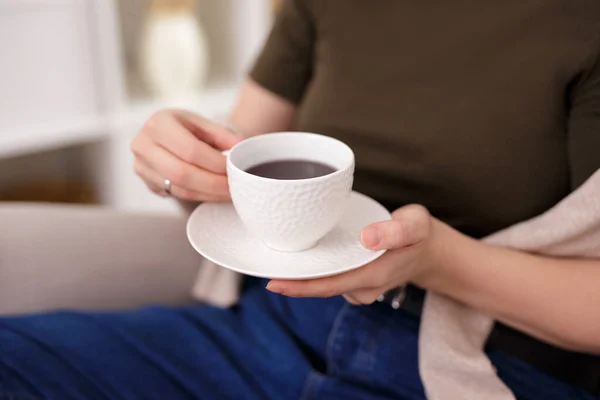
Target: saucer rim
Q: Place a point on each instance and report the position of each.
(375, 254)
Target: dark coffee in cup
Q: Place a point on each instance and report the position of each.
(291, 169)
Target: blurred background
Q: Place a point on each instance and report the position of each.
(78, 78)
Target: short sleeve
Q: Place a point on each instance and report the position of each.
(284, 66)
(584, 126)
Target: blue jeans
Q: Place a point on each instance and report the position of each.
(267, 347)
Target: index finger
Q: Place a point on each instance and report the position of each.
(360, 278)
(175, 138)
(215, 134)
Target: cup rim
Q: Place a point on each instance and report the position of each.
(290, 181)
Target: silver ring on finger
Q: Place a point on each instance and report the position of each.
(167, 187)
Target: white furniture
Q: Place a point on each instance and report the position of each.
(68, 79)
(89, 257)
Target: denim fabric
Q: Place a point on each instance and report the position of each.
(267, 347)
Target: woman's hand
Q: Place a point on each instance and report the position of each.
(184, 148)
(410, 238)
(517, 288)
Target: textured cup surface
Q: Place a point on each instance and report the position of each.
(290, 215)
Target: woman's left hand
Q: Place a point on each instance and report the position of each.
(410, 237)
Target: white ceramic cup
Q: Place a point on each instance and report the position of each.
(290, 215)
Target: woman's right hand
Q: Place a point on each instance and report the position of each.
(184, 148)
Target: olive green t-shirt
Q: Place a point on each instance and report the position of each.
(486, 112)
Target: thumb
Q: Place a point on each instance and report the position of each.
(409, 225)
(217, 135)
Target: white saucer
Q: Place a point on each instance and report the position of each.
(216, 232)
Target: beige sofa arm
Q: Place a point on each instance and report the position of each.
(85, 257)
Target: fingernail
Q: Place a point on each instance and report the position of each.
(272, 287)
(371, 236)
